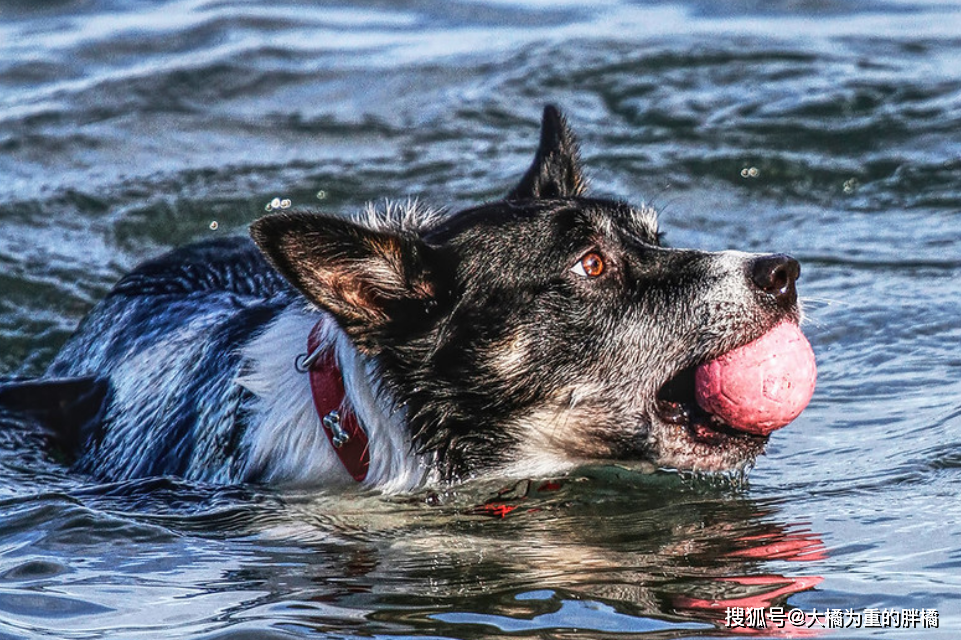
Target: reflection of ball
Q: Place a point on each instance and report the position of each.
(761, 386)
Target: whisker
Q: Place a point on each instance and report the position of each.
(825, 302)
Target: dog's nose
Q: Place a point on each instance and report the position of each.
(776, 274)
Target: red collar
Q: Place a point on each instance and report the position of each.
(340, 423)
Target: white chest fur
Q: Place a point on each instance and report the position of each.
(285, 439)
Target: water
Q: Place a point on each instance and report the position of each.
(825, 129)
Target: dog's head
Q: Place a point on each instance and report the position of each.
(543, 331)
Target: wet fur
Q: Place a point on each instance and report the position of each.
(468, 343)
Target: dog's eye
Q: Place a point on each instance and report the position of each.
(590, 266)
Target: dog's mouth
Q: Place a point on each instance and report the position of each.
(687, 437)
(677, 405)
(718, 414)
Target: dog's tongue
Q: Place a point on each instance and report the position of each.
(761, 386)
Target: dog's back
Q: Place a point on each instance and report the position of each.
(169, 337)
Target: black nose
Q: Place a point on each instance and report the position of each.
(776, 274)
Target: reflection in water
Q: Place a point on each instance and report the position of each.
(609, 550)
(659, 551)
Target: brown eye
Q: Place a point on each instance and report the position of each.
(590, 266)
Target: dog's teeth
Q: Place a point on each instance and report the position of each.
(672, 412)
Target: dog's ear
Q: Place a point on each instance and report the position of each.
(371, 281)
(556, 171)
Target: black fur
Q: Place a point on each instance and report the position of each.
(556, 170)
(226, 292)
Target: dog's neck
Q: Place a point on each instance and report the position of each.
(286, 440)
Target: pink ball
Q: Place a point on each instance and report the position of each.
(761, 386)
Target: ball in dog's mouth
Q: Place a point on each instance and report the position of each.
(761, 386)
(749, 391)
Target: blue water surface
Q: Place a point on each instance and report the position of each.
(825, 129)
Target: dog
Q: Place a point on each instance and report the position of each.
(405, 347)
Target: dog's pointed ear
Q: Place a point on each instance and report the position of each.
(371, 281)
(556, 171)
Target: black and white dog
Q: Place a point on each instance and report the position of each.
(522, 337)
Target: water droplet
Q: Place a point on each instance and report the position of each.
(321, 194)
(277, 203)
